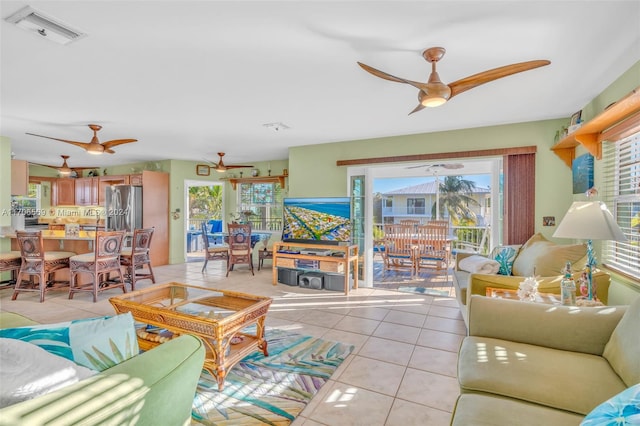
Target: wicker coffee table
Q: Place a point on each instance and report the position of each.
(218, 317)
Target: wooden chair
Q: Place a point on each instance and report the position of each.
(134, 258)
(36, 262)
(399, 250)
(213, 251)
(265, 253)
(239, 246)
(99, 264)
(10, 262)
(412, 223)
(432, 247)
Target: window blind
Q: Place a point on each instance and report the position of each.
(621, 193)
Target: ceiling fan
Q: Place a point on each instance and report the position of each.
(434, 92)
(65, 170)
(93, 147)
(221, 167)
(450, 166)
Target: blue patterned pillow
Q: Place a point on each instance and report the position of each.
(505, 256)
(622, 409)
(96, 343)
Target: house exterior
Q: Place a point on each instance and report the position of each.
(417, 201)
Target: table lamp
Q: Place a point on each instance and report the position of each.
(589, 220)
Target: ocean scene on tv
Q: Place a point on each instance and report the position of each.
(327, 219)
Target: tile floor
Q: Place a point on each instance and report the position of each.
(401, 372)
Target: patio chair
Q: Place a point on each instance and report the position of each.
(398, 251)
(431, 251)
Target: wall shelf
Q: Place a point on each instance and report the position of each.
(258, 179)
(623, 114)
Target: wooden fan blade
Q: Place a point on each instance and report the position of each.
(80, 144)
(418, 108)
(236, 166)
(390, 77)
(116, 142)
(476, 80)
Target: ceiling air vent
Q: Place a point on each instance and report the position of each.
(37, 22)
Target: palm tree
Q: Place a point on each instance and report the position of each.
(205, 202)
(455, 198)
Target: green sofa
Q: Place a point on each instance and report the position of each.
(547, 258)
(537, 364)
(154, 388)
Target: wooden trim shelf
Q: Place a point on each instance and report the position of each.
(258, 179)
(614, 120)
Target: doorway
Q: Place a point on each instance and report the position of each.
(204, 203)
(399, 200)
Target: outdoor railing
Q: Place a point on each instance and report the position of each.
(465, 235)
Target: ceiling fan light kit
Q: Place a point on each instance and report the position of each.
(434, 92)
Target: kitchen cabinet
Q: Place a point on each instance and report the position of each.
(86, 191)
(104, 181)
(19, 177)
(63, 192)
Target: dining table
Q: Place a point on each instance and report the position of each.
(255, 236)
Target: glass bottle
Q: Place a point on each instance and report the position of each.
(568, 287)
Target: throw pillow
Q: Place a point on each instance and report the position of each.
(29, 371)
(622, 409)
(541, 257)
(96, 343)
(505, 256)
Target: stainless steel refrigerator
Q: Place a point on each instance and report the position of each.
(123, 208)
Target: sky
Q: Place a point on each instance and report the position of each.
(389, 184)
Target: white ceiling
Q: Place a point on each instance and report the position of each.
(191, 78)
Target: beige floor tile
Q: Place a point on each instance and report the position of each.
(405, 413)
(345, 404)
(434, 360)
(440, 340)
(401, 333)
(445, 312)
(321, 318)
(446, 324)
(405, 318)
(373, 375)
(387, 350)
(368, 312)
(430, 389)
(357, 325)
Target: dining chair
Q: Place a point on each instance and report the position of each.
(213, 251)
(239, 246)
(36, 262)
(136, 257)
(431, 250)
(99, 264)
(10, 262)
(399, 246)
(264, 254)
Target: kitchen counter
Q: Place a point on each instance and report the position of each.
(8, 232)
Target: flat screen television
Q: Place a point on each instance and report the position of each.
(325, 220)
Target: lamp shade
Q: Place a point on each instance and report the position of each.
(589, 220)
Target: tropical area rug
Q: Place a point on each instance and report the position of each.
(269, 390)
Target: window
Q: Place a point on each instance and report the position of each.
(416, 206)
(621, 193)
(261, 204)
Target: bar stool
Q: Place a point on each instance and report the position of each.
(10, 261)
(138, 255)
(37, 262)
(105, 259)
